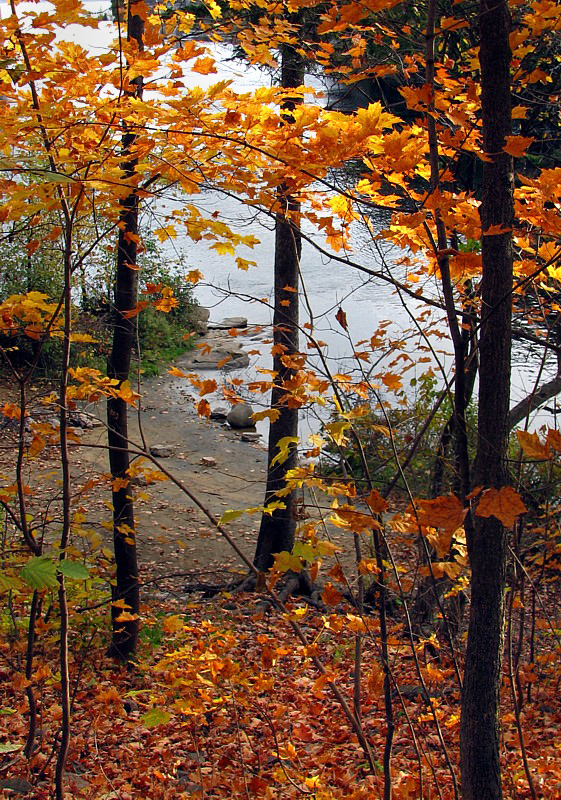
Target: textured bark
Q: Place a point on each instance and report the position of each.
(125, 634)
(276, 532)
(486, 537)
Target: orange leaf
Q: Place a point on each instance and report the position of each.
(330, 595)
(446, 512)
(517, 145)
(505, 504)
(392, 381)
(376, 502)
(554, 439)
(207, 387)
(203, 409)
(532, 446)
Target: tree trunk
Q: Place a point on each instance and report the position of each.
(276, 532)
(125, 634)
(486, 537)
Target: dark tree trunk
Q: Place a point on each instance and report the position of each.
(276, 532)
(125, 634)
(486, 537)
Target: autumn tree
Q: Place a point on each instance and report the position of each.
(487, 536)
(276, 532)
(126, 591)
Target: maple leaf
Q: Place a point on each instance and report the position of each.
(205, 66)
(554, 439)
(505, 504)
(331, 596)
(376, 502)
(517, 145)
(207, 387)
(194, 276)
(203, 409)
(392, 381)
(446, 512)
(532, 446)
(284, 444)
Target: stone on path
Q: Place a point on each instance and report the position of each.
(240, 416)
(219, 413)
(208, 461)
(250, 436)
(162, 450)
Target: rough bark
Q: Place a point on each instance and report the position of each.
(125, 634)
(486, 537)
(276, 532)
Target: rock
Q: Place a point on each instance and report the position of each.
(229, 322)
(219, 413)
(240, 416)
(251, 436)
(224, 355)
(162, 450)
(208, 461)
(79, 420)
(200, 317)
(16, 785)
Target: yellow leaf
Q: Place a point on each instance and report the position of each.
(505, 504)
(173, 624)
(165, 233)
(271, 413)
(37, 444)
(337, 431)
(126, 616)
(284, 446)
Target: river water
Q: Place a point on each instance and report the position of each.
(328, 285)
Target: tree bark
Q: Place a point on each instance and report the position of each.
(125, 634)
(486, 537)
(276, 532)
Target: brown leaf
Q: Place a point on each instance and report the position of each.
(505, 504)
(532, 446)
(341, 318)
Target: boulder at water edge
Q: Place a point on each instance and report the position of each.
(241, 416)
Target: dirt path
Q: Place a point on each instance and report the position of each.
(173, 535)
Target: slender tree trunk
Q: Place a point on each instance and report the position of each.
(125, 634)
(276, 532)
(486, 537)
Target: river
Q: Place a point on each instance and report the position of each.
(328, 285)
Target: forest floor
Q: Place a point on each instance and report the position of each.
(224, 701)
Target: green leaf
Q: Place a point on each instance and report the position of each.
(155, 717)
(40, 573)
(305, 551)
(8, 747)
(8, 582)
(73, 570)
(228, 516)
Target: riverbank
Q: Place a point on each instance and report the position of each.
(208, 458)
